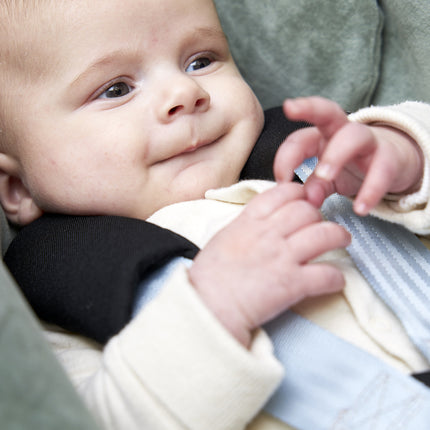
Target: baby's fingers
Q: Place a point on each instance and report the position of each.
(322, 278)
(315, 239)
(266, 204)
(325, 114)
(298, 146)
(377, 182)
(352, 143)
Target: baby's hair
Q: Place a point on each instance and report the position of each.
(20, 22)
(11, 10)
(17, 16)
(22, 6)
(20, 19)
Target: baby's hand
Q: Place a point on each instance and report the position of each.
(258, 266)
(354, 159)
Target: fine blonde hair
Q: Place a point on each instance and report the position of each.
(21, 22)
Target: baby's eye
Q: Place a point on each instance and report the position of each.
(198, 63)
(119, 89)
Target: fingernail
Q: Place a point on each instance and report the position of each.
(292, 106)
(361, 209)
(324, 171)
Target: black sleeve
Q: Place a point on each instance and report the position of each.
(81, 272)
(276, 128)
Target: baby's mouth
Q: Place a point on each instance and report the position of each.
(190, 147)
(200, 144)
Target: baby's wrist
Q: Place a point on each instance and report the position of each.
(415, 156)
(222, 307)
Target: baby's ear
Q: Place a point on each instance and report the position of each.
(15, 198)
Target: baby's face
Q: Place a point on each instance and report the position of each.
(140, 106)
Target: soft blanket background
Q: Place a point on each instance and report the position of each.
(355, 52)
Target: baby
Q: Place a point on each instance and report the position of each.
(128, 108)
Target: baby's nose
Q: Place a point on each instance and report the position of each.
(183, 97)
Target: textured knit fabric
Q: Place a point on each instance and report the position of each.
(73, 270)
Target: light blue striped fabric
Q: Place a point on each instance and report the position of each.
(395, 263)
(392, 259)
(331, 384)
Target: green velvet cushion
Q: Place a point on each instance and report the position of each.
(35, 392)
(290, 48)
(405, 62)
(356, 52)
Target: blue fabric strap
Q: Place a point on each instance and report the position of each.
(393, 261)
(331, 384)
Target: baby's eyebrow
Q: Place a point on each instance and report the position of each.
(104, 62)
(204, 35)
(208, 32)
(121, 56)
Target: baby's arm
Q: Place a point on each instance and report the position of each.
(354, 159)
(174, 365)
(259, 265)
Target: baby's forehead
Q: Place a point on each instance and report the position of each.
(43, 37)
